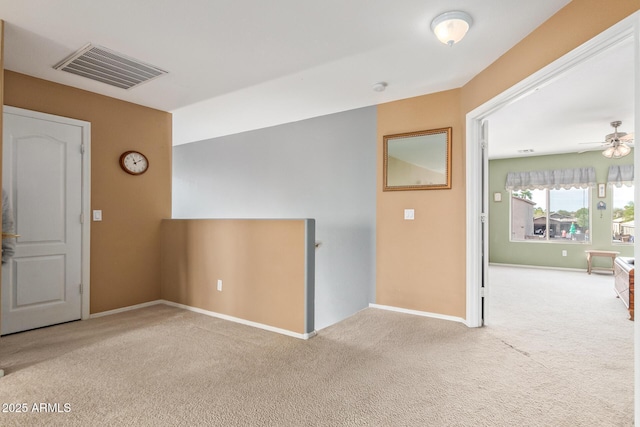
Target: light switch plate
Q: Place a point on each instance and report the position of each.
(409, 214)
(97, 215)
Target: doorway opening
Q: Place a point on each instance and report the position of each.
(477, 186)
(478, 137)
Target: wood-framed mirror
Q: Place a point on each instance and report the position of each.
(417, 160)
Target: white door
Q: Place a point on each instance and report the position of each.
(42, 172)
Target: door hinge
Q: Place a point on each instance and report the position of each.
(82, 218)
(81, 288)
(82, 148)
(482, 292)
(483, 218)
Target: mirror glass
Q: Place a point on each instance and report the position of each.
(418, 160)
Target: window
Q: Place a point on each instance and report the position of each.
(621, 181)
(551, 205)
(560, 215)
(622, 208)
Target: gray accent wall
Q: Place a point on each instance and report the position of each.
(322, 168)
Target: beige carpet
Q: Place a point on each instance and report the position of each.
(540, 364)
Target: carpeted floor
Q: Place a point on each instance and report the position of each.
(558, 352)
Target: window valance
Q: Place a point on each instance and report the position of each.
(551, 179)
(620, 175)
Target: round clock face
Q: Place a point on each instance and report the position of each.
(134, 162)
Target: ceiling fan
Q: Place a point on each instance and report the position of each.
(616, 144)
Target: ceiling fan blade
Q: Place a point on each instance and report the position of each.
(627, 138)
(611, 141)
(590, 149)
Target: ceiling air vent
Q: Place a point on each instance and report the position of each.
(106, 66)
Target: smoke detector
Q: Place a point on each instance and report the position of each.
(380, 86)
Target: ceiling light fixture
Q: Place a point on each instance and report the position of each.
(451, 27)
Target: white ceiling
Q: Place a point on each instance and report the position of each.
(237, 65)
(571, 114)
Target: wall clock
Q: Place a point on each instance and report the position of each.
(134, 162)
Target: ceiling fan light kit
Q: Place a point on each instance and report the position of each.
(616, 152)
(617, 143)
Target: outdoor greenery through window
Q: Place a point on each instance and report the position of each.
(550, 215)
(623, 230)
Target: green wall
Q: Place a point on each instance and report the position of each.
(502, 251)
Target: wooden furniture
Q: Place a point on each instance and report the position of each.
(624, 278)
(606, 254)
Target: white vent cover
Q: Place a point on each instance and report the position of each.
(106, 66)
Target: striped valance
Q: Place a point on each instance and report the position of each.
(620, 175)
(551, 179)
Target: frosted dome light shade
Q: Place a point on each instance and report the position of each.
(451, 27)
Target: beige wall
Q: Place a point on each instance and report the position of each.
(421, 263)
(261, 264)
(125, 246)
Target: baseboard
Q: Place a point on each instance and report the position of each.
(539, 267)
(419, 313)
(123, 309)
(241, 321)
(305, 336)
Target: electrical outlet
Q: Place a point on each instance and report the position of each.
(564, 253)
(409, 214)
(220, 285)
